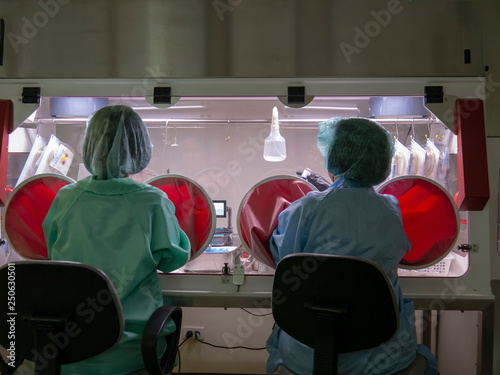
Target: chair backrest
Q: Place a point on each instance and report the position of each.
(59, 312)
(343, 302)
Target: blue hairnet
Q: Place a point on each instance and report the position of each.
(356, 148)
(116, 143)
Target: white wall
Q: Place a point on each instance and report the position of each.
(226, 327)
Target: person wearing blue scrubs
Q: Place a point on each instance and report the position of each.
(125, 228)
(350, 218)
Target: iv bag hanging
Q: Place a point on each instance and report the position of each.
(274, 144)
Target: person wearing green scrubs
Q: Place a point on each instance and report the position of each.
(125, 228)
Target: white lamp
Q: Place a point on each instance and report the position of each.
(274, 145)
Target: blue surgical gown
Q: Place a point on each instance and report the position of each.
(347, 219)
(128, 230)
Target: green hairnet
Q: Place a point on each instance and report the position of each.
(116, 143)
(356, 148)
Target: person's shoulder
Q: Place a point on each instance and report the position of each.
(314, 198)
(150, 192)
(139, 185)
(66, 197)
(387, 198)
(69, 189)
(318, 195)
(390, 202)
(310, 198)
(310, 201)
(360, 196)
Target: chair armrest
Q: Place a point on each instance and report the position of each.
(151, 335)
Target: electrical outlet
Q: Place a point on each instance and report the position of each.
(201, 330)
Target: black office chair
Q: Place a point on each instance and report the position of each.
(335, 304)
(65, 312)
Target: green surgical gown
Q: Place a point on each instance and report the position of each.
(127, 229)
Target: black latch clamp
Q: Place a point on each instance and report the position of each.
(296, 94)
(162, 95)
(31, 95)
(434, 94)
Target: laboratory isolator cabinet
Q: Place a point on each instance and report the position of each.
(207, 87)
(211, 148)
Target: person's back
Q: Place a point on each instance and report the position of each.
(349, 218)
(126, 228)
(355, 221)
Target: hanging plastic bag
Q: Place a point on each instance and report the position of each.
(443, 167)
(56, 158)
(417, 159)
(400, 160)
(431, 160)
(33, 160)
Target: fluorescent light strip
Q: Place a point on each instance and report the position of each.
(316, 120)
(210, 121)
(68, 119)
(256, 121)
(236, 121)
(422, 120)
(172, 107)
(333, 108)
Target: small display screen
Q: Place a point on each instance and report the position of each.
(220, 208)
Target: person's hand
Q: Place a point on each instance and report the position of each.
(315, 179)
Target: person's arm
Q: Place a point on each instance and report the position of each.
(49, 226)
(169, 244)
(61, 203)
(393, 203)
(316, 180)
(290, 236)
